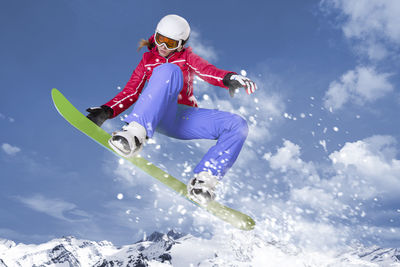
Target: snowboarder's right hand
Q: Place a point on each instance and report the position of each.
(99, 114)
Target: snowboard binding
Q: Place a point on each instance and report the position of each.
(129, 141)
(201, 188)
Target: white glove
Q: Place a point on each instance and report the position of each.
(234, 81)
(248, 84)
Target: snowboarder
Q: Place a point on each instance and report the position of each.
(167, 105)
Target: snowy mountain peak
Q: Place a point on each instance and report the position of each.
(6, 243)
(376, 254)
(105, 243)
(175, 249)
(157, 236)
(71, 251)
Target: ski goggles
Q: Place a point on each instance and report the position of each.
(170, 44)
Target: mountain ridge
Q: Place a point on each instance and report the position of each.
(177, 249)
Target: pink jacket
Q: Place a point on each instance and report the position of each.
(190, 64)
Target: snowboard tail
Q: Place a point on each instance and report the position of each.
(86, 126)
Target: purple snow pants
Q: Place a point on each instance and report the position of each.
(157, 110)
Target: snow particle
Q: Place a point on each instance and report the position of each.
(242, 110)
(323, 144)
(336, 129)
(120, 196)
(243, 73)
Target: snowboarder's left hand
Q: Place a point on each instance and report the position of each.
(235, 81)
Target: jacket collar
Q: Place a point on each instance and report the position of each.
(174, 54)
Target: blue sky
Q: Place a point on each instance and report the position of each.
(322, 155)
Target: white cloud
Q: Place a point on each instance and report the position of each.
(56, 208)
(371, 164)
(362, 169)
(358, 86)
(308, 191)
(362, 172)
(10, 150)
(324, 199)
(205, 51)
(373, 24)
(287, 158)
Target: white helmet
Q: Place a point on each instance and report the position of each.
(174, 27)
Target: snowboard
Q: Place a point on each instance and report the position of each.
(86, 126)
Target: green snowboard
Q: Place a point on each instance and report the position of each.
(83, 124)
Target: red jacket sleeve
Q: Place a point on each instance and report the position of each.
(130, 94)
(205, 70)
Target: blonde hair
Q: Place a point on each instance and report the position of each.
(147, 43)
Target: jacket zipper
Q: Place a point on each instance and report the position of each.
(167, 58)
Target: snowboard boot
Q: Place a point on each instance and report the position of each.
(129, 141)
(201, 187)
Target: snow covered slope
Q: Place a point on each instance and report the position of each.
(174, 249)
(69, 251)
